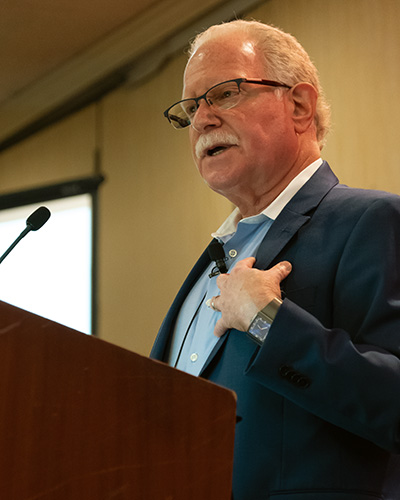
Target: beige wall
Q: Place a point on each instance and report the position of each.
(355, 44)
(155, 212)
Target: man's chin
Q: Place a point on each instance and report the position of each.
(220, 186)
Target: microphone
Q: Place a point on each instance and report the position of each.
(217, 254)
(38, 219)
(34, 222)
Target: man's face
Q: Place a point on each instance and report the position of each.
(258, 133)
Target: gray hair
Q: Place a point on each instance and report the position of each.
(285, 61)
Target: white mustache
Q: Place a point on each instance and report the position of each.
(212, 139)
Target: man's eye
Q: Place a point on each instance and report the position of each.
(190, 110)
(225, 94)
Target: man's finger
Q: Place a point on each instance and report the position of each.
(282, 270)
(220, 328)
(211, 303)
(247, 262)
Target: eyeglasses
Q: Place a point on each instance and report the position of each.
(225, 95)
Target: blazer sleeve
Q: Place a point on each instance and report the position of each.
(347, 373)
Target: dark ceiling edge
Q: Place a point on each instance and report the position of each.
(42, 194)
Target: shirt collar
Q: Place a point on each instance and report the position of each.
(229, 226)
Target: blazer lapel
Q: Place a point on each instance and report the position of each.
(296, 213)
(161, 343)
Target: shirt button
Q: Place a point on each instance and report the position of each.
(232, 253)
(193, 357)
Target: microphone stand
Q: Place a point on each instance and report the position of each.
(34, 222)
(11, 247)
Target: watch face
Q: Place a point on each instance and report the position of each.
(259, 329)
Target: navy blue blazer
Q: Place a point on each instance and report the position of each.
(319, 402)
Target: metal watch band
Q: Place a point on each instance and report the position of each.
(261, 323)
(270, 310)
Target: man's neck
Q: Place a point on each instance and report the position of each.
(252, 203)
(275, 208)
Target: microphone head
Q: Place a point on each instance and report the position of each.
(38, 218)
(216, 251)
(217, 254)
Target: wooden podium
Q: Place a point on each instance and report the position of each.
(81, 419)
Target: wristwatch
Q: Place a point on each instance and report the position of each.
(262, 321)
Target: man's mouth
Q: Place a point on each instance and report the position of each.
(217, 150)
(214, 144)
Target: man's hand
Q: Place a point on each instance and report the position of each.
(244, 292)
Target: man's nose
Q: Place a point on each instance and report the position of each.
(205, 117)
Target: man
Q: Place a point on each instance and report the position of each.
(313, 278)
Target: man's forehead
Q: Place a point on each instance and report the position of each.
(220, 54)
(226, 45)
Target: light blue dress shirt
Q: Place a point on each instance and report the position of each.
(193, 338)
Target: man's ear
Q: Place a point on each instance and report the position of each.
(304, 97)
